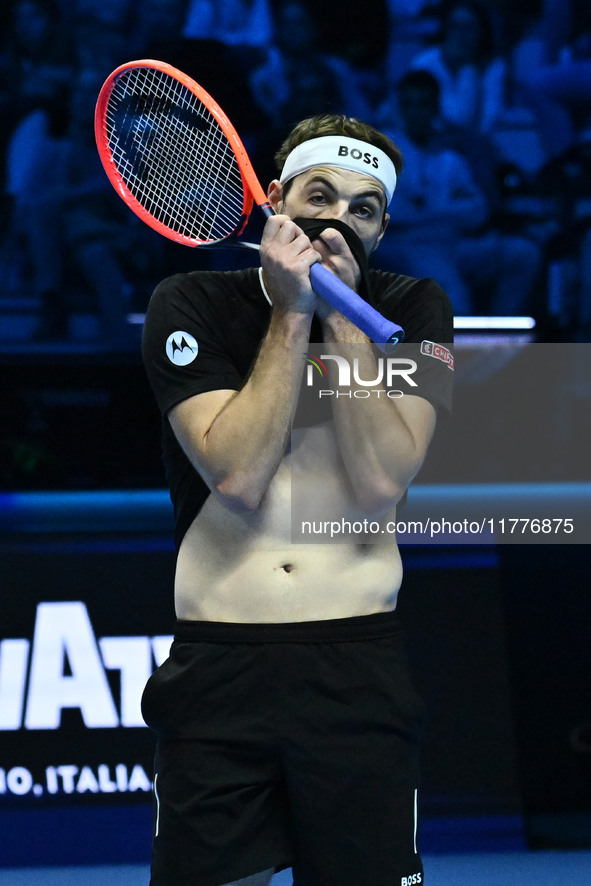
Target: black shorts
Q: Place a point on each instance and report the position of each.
(290, 745)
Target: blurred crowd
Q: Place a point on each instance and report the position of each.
(490, 102)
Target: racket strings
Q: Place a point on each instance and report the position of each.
(186, 166)
(191, 165)
(173, 156)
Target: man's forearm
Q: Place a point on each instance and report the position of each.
(245, 443)
(382, 440)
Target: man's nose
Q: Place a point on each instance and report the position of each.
(339, 210)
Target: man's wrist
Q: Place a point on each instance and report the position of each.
(338, 328)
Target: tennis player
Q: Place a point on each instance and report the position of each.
(287, 725)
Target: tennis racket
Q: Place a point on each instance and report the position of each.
(173, 156)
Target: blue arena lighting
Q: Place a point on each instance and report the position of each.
(491, 323)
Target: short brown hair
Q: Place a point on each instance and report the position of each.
(337, 124)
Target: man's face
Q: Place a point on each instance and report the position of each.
(330, 192)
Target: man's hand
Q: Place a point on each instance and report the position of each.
(338, 258)
(286, 258)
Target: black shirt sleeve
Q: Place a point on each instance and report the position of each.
(202, 333)
(183, 343)
(424, 311)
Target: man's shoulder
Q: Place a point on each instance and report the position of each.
(206, 296)
(418, 304)
(389, 286)
(192, 283)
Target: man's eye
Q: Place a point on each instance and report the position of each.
(317, 199)
(364, 211)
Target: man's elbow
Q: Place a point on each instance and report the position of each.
(376, 499)
(381, 492)
(239, 496)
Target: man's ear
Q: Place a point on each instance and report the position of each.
(275, 195)
(385, 221)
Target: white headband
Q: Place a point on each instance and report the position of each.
(346, 153)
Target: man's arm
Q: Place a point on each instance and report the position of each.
(236, 440)
(383, 441)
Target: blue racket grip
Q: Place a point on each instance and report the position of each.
(384, 333)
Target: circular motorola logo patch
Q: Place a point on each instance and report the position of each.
(181, 348)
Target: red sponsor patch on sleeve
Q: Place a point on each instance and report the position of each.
(438, 352)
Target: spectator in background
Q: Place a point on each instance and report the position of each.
(412, 24)
(441, 223)
(360, 39)
(222, 42)
(555, 78)
(109, 34)
(67, 240)
(557, 82)
(359, 35)
(41, 69)
(39, 63)
(82, 247)
(6, 82)
(298, 78)
(471, 75)
(232, 22)
(115, 13)
(156, 29)
(101, 31)
(110, 252)
(32, 60)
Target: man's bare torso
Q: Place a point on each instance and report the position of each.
(244, 567)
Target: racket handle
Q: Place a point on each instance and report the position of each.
(384, 333)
